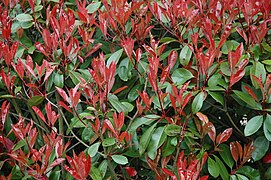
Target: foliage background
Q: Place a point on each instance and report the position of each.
(114, 89)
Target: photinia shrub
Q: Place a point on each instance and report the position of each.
(117, 89)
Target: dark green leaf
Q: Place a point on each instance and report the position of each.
(261, 145)
(248, 99)
(267, 133)
(217, 97)
(267, 121)
(145, 139)
(95, 173)
(226, 155)
(154, 142)
(103, 168)
(253, 125)
(249, 172)
(140, 121)
(173, 130)
(222, 169)
(35, 100)
(55, 175)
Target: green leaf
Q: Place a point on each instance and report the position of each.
(120, 159)
(55, 175)
(214, 80)
(35, 100)
(226, 155)
(59, 80)
(197, 102)
(145, 139)
(95, 173)
(75, 77)
(173, 130)
(19, 144)
(154, 142)
(93, 149)
(133, 94)
(24, 17)
(103, 167)
(225, 68)
(267, 121)
(213, 168)
(120, 107)
(261, 145)
(267, 133)
(249, 172)
(217, 97)
(257, 70)
(114, 57)
(185, 55)
(222, 169)
(108, 142)
(248, 99)
(93, 7)
(181, 75)
(253, 125)
(140, 121)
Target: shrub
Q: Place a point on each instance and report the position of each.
(175, 89)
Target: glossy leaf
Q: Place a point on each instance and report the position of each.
(145, 139)
(253, 125)
(261, 147)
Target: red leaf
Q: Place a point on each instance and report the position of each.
(251, 93)
(128, 46)
(224, 136)
(41, 48)
(39, 113)
(63, 94)
(4, 111)
(62, 104)
(236, 77)
(202, 117)
(267, 158)
(172, 58)
(131, 171)
(57, 162)
(212, 131)
(204, 177)
(138, 54)
(93, 49)
(236, 150)
(169, 173)
(120, 89)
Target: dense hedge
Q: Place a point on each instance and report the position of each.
(117, 89)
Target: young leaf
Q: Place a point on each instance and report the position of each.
(253, 125)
